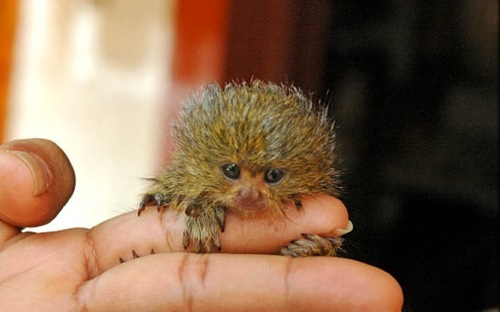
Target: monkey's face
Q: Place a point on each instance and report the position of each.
(255, 174)
(250, 192)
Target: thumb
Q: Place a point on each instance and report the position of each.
(36, 180)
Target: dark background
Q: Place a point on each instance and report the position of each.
(412, 86)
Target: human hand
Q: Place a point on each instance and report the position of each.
(79, 269)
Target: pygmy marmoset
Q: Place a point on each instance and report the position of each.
(248, 149)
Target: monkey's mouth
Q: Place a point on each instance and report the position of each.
(249, 199)
(249, 206)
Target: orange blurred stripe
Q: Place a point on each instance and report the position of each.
(200, 41)
(8, 20)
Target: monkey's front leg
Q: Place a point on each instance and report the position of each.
(203, 224)
(313, 245)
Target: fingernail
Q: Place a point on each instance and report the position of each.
(340, 232)
(38, 169)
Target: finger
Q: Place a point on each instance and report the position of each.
(183, 281)
(36, 180)
(162, 232)
(322, 214)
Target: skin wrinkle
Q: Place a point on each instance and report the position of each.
(93, 270)
(90, 254)
(203, 264)
(81, 304)
(183, 272)
(288, 270)
(192, 270)
(83, 293)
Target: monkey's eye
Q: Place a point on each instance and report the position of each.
(231, 171)
(273, 176)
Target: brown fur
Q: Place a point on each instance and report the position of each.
(257, 126)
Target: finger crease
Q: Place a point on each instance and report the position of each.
(288, 281)
(203, 267)
(186, 292)
(89, 254)
(90, 257)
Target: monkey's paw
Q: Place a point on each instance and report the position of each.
(203, 230)
(312, 245)
(158, 199)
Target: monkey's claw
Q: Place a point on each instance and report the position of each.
(135, 255)
(312, 245)
(203, 230)
(157, 198)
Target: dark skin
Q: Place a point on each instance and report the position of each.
(79, 269)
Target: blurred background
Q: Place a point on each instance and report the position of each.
(412, 86)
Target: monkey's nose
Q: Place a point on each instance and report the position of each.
(249, 193)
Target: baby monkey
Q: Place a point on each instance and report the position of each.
(248, 149)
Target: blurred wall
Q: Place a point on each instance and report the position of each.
(414, 91)
(92, 75)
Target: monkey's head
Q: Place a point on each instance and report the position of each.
(254, 147)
